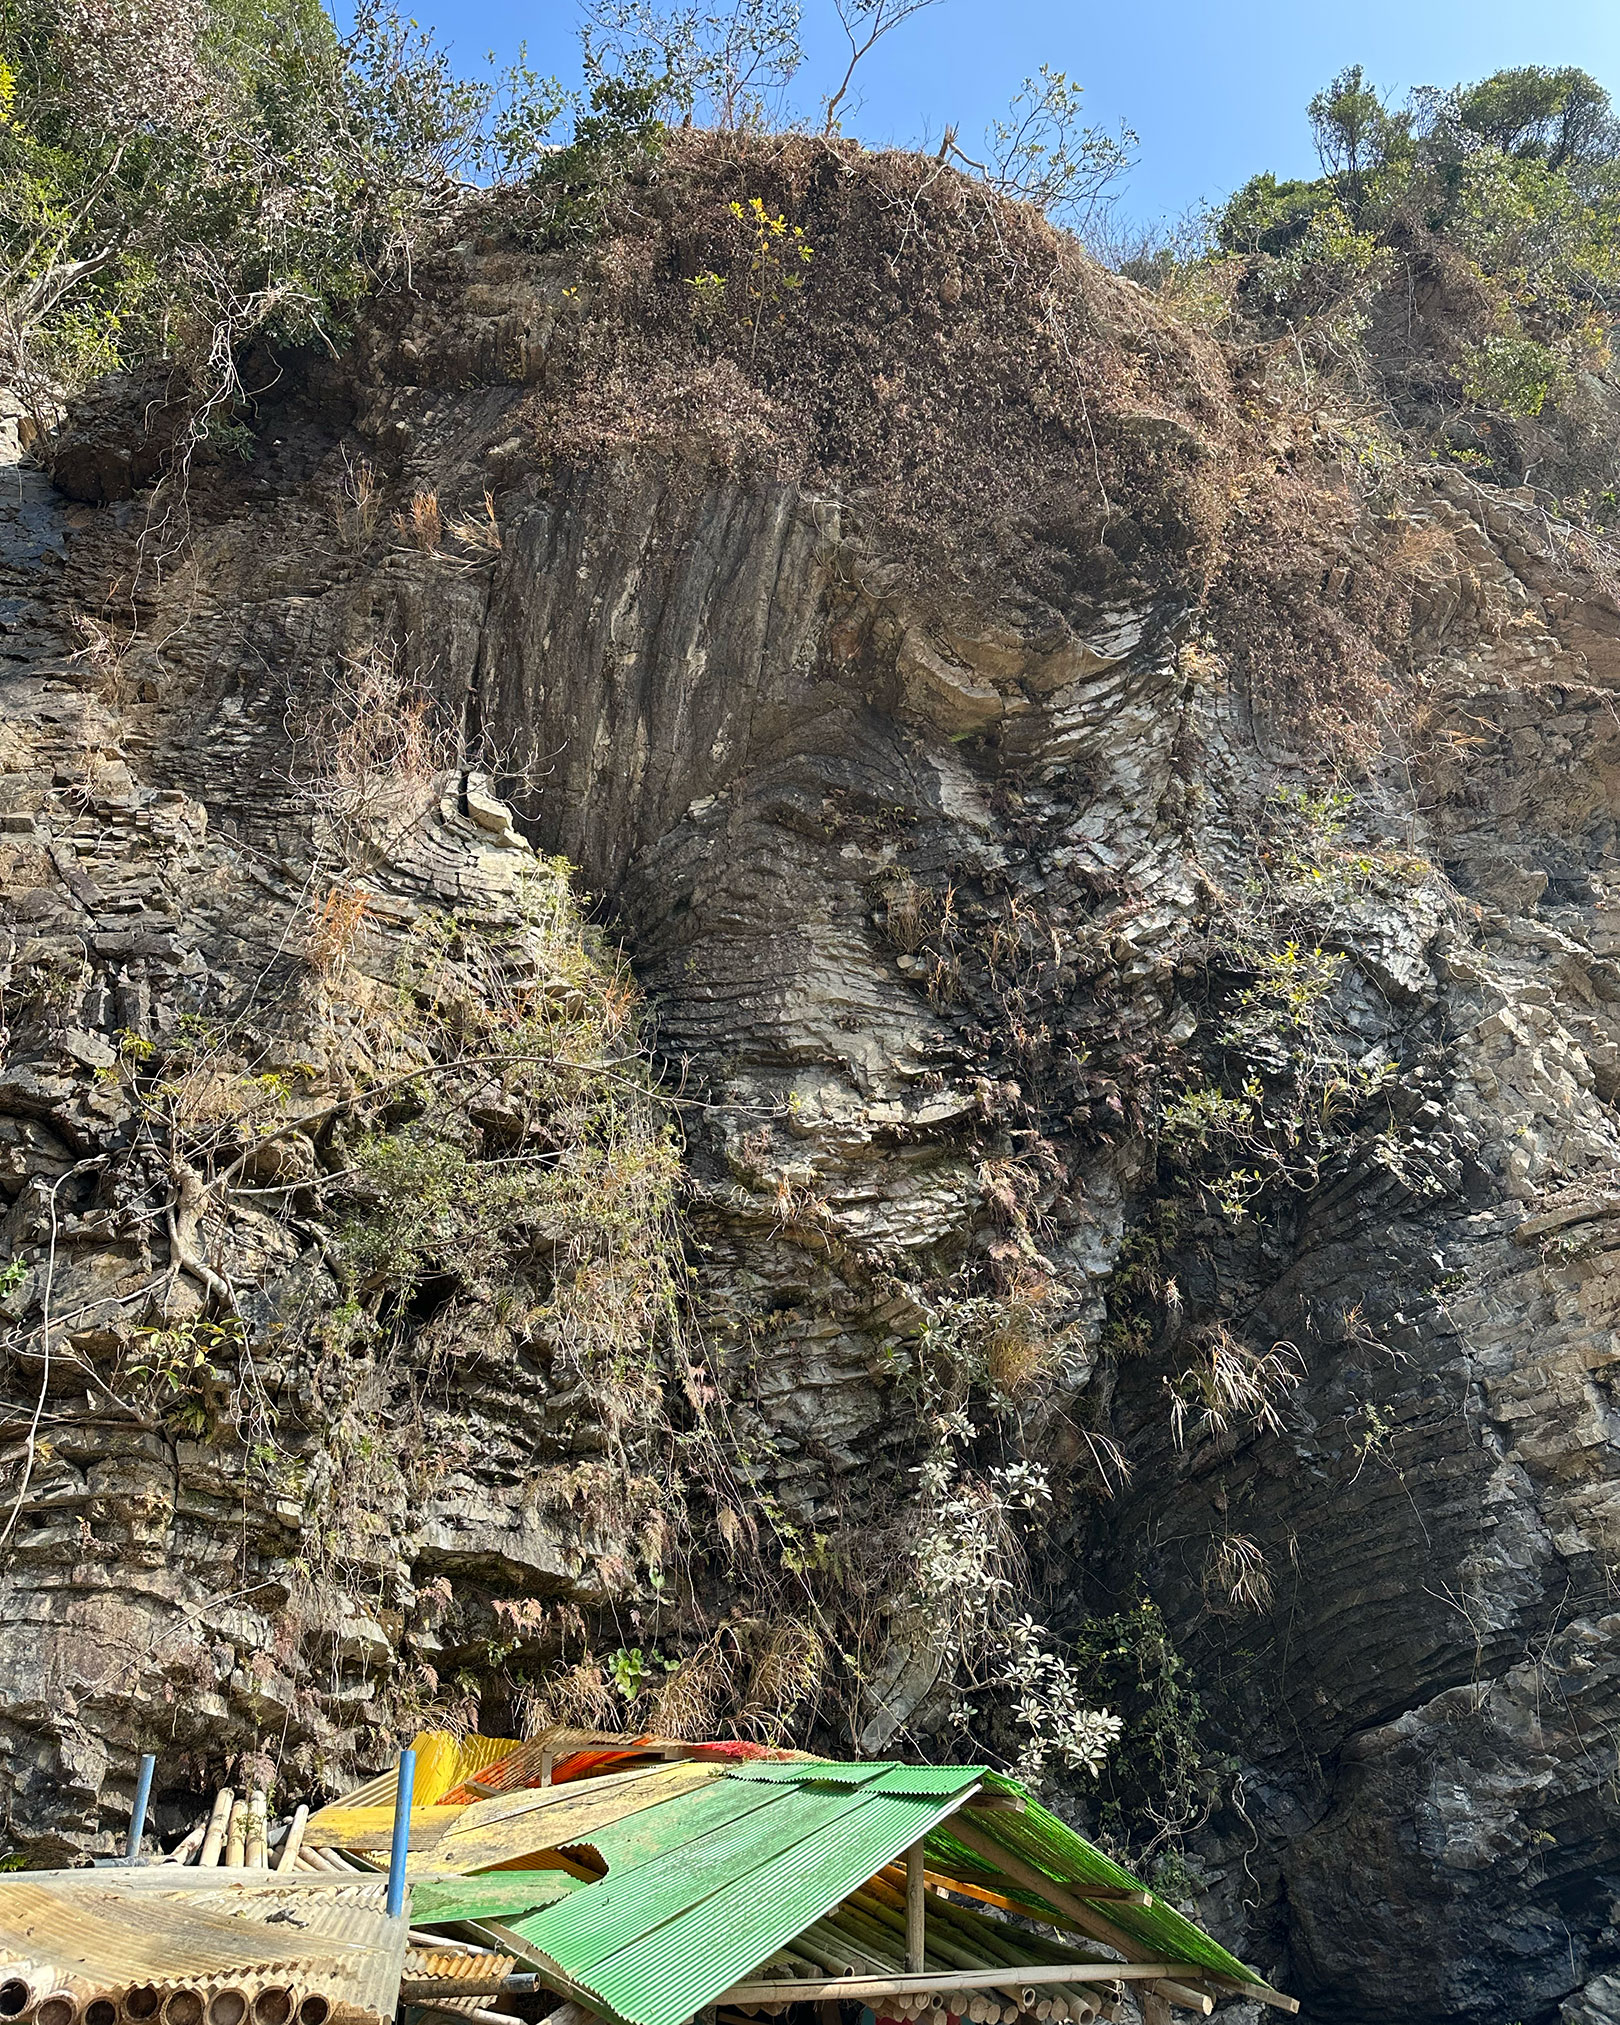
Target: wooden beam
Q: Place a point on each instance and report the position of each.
(915, 1951)
(937, 1880)
(858, 1988)
(1086, 1917)
(1063, 1896)
(553, 1974)
(1257, 1993)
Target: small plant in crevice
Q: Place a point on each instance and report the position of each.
(1237, 1579)
(1158, 1785)
(1223, 1382)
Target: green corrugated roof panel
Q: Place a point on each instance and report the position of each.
(819, 1772)
(925, 1781)
(657, 1940)
(880, 1777)
(496, 1895)
(1042, 1839)
(673, 1824)
(705, 1887)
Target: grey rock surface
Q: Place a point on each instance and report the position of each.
(776, 774)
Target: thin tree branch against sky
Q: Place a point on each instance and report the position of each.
(1216, 90)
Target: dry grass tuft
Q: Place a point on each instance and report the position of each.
(421, 523)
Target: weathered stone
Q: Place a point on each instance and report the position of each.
(695, 683)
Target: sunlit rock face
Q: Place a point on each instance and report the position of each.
(926, 897)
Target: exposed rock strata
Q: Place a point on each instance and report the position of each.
(704, 690)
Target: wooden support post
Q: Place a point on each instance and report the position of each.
(915, 1940)
(548, 1759)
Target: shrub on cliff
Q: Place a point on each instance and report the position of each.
(177, 176)
(1460, 255)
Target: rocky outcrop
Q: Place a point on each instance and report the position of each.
(942, 902)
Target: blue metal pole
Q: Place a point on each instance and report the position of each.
(402, 1833)
(137, 1819)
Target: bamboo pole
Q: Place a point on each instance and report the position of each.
(1015, 1980)
(1060, 1895)
(236, 1837)
(985, 1935)
(938, 1880)
(218, 1821)
(294, 1842)
(183, 1852)
(836, 1952)
(257, 1829)
(915, 1938)
(870, 1935)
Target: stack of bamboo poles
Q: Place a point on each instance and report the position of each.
(237, 1835)
(866, 1936)
(982, 2008)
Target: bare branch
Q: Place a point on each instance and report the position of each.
(866, 22)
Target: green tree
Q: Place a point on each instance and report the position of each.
(177, 176)
(1355, 136)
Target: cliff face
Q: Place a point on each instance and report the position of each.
(946, 881)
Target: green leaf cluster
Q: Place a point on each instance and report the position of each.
(1501, 197)
(178, 177)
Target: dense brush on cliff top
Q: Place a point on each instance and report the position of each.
(990, 409)
(993, 411)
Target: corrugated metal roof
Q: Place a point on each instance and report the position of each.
(501, 1894)
(520, 1825)
(712, 1869)
(88, 1934)
(668, 1931)
(345, 1827)
(1041, 1839)
(823, 1771)
(878, 1775)
(454, 1965)
(443, 1760)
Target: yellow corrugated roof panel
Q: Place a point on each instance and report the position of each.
(443, 1760)
(344, 1827)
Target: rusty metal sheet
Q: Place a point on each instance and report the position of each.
(471, 1965)
(85, 1938)
(452, 1972)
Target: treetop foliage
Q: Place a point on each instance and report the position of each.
(177, 176)
(1460, 252)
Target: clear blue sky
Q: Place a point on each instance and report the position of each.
(1215, 88)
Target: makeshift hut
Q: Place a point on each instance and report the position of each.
(631, 1880)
